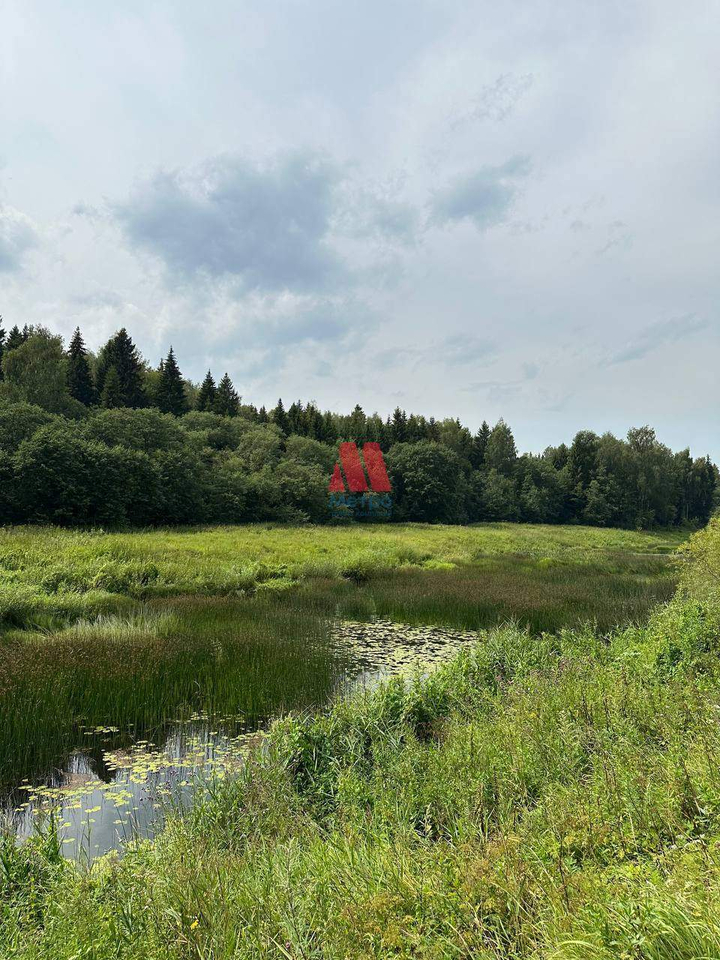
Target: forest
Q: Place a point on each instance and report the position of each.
(107, 439)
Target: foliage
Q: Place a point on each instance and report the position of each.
(441, 472)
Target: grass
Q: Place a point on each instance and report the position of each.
(157, 665)
(542, 796)
(134, 630)
(51, 576)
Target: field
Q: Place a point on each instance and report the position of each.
(552, 791)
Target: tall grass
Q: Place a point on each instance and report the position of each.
(552, 796)
(50, 576)
(156, 665)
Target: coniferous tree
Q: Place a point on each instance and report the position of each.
(79, 376)
(170, 396)
(113, 395)
(227, 401)
(120, 352)
(208, 392)
(329, 430)
(263, 415)
(16, 338)
(399, 426)
(280, 418)
(2, 345)
(295, 418)
(480, 440)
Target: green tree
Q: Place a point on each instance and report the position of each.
(428, 482)
(2, 347)
(19, 421)
(35, 372)
(279, 417)
(113, 395)
(398, 431)
(499, 496)
(227, 401)
(208, 392)
(16, 338)
(171, 389)
(479, 446)
(500, 451)
(598, 506)
(63, 478)
(79, 376)
(121, 353)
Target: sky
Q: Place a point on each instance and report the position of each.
(467, 209)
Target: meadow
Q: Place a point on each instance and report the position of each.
(50, 576)
(553, 791)
(135, 629)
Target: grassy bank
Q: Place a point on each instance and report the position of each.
(555, 796)
(49, 576)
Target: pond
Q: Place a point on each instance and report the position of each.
(115, 778)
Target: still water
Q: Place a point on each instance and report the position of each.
(115, 784)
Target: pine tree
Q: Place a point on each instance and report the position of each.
(227, 401)
(79, 376)
(280, 418)
(170, 396)
(120, 352)
(112, 393)
(208, 392)
(2, 345)
(263, 415)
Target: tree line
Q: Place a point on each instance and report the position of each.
(108, 439)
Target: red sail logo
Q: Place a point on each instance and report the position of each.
(352, 466)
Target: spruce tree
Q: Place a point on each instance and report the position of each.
(480, 440)
(79, 377)
(280, 418)
(16, 338)
(227, 401)
(399, 426)
(112, 395)
(208, 392)
(2, 344)
(263, 415)
(170, 396)
(120, 352)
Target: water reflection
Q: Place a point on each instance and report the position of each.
(119, 785)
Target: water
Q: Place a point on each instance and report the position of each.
(115, 785)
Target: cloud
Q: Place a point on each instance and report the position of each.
(265, 226)
(17, 236)
(367, 213)
(664, 331)
(483, 197)
(462, 349)
(497, 100)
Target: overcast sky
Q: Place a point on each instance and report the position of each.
(472, 209)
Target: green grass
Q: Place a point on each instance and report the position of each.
(554, 796)
(49, 576)
(134, 630)
(158, 665)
